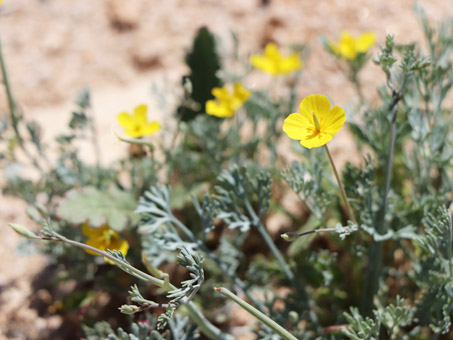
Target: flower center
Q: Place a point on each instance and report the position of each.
(108, 235)
(316, 122)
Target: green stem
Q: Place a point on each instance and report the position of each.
(124, 266)
(343, 196)
(374, 268)
(355, 80)
(13, 112)
(270, 243)
(293, 236)
(449, 250)
(95, 141)
(256, 313)
(11, 103)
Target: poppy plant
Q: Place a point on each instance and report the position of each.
(314, 126)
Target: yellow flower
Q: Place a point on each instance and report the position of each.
(136, 125)
(104, 238)
(227, 103)
(316, 123)
(349, 47)
(274, 62)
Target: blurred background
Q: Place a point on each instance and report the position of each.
(53, 48)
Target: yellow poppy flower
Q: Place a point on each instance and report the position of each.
(349, 47)
(136, 125)
(104, 238)
(226, 103)
(316, 123)
(273, 62)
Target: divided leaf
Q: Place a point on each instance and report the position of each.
(114, 207)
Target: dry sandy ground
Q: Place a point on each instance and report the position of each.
(55, 47)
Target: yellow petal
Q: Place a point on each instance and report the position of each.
(271, 51)
(150, 128)
(91, 232)
(215, 109)
(263, 64)
(334, 121)
(315, 104)
(120, 245)
(316, 140)
(241, 93)
(125, 120)
(136, 131)
(140, 114)
(290, 64)
(297, 126)
(221, 93)
(95, 243)
(365, 41)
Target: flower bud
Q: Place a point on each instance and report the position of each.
(22, 231)
(129, 309)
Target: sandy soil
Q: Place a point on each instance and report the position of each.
(55, 47)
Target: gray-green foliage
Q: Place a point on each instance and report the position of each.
(179, 328)
(392, 318)
(113, 207)
(305, 180)
(237, 190)
(433, 271)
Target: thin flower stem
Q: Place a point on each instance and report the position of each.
(388, 171)
(355, 80)
(13, 112)
(256, 313)
(292, 236)
(95, 140)
(449, 250)
(270, 243)
(373, 271)
(343, 196)
(132, 270)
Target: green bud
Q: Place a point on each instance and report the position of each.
(129, 309)
(22, 231)
(289, 236)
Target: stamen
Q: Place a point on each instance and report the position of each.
(316, 122)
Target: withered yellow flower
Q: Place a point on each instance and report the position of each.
(316, 123)
(104, 238)
(227, 102)
(349, 47)
(137, 125)
(274, 63)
